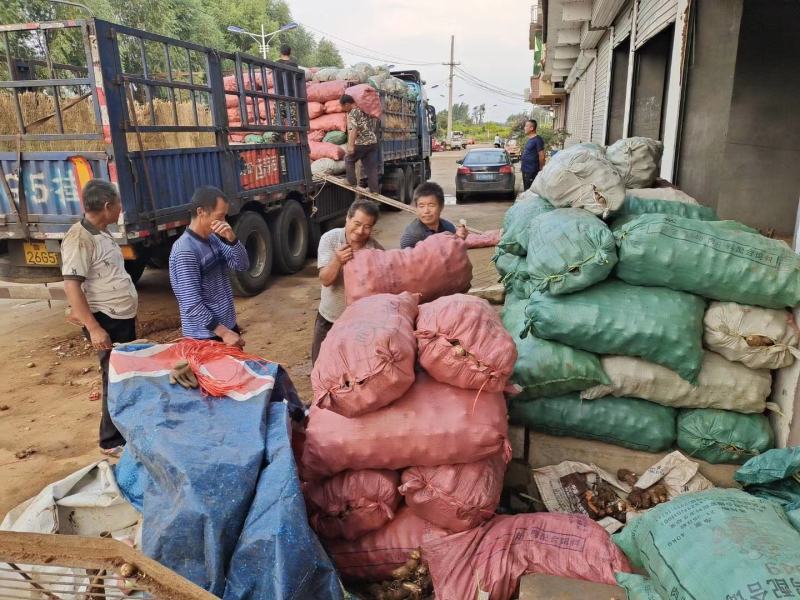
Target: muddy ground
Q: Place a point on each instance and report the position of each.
(48, 412)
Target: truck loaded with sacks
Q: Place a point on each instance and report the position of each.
(159, 117)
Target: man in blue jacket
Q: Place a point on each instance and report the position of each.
(532, 159)
(198, 270)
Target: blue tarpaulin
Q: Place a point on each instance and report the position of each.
(215, 478)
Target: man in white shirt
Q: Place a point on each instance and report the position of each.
(336, 248)
(100, 292)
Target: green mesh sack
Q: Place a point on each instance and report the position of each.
(658, 324)
(569, 249)
(546, 368)
(515, 223)
(253, 138)
(723, 436)
(335, 137)
(715, 259)
(637, 587)
(665, 201)
(513, 273)
(775, 475)
(270, 137)
(628, 422)
(718, 544)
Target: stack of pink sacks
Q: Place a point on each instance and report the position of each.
(407, 437)
(265, 107)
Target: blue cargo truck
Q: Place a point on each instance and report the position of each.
(89, 98)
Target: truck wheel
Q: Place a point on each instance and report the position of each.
(428, 171)
(252, 231)
(409, 181)
(289, 230)
(314, 235)
(135, 268)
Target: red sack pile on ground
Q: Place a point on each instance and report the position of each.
(335, 122)
(367, 360)
(315, 109)
(493, 557)
(462, 342)
(374, 556)
(367, 99)
(353, 503)
(325, 150)
(333, 106)
(432, 424)
(487, 239)
(455, 497)
(438, 266)
(326, 90)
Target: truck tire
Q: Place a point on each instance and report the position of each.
(135, 268)
(314, 235)
(428, 171)
(289, 228)
(252, 230)
(410, 183)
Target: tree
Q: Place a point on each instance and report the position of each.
(328, 55)
(441, 120)
(461, 112)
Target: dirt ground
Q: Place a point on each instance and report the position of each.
(48, 419)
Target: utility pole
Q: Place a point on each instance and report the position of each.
(451, 64)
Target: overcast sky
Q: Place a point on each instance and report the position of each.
(491, 42)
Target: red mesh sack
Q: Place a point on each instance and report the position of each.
(337, 122)
(353, 503)
(315, 109)
(374, 556)
(367, 99)
(229, 82)
(325, 150)
(333, 106)
(438, 266)
(455, 497)
(462, 342)
(326, 90)
(432, 424)
(487, 239)
(493, 557)
(367, 359)
(316, 135)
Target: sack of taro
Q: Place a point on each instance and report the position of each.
(455, 497)
(462, 342)
(527, 207)
(661, 325)
(721, 384)
(569, 249)
(367, 359)
(715, 259)
(715, 545)
(546, 368)
(628, 422)
(581, 177)
(438, 266)
(432, 424)
(488, 561)
(374, 556)
(723, 436)
(353, 503)
(761, 338)
(636, 159)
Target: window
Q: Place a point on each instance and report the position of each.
(486, 157)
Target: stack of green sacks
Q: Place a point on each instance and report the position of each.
(610, 335)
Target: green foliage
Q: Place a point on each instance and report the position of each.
(327, 55)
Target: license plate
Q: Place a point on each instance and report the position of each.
(39, 256)
(484, 177)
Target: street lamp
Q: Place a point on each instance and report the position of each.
(263, 39)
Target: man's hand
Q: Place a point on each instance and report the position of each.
(350, 150)
(100, 338)
(461, 232)
(223, 230)
(231, 338)
(344, 254)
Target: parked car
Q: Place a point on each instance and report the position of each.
(456, 142)
(485, 171)
(512, 147)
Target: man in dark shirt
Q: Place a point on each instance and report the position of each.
(532, 159)
(286, 56)
(429, 201)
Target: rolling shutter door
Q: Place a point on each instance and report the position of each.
(574, 103)
(622, 26)
(603, 63)
(588, 102)
(653, 16)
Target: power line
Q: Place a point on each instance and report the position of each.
(516, 97)
(464, 75)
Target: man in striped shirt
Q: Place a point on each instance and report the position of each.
(198, 270)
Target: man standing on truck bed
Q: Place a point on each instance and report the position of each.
(362, 144)
(336, 248)
(532, 159)
(100, 292)
(198, 270)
